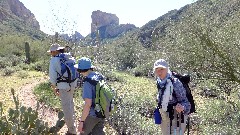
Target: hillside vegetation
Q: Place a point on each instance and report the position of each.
(201, 39)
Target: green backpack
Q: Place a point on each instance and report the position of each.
(105, 102)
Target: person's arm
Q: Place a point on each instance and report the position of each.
(87, 96)
(54, 67)
(180, 92)
(86, 108)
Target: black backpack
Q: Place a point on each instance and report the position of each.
(185, 79)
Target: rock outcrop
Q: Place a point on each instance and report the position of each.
(107, 25)
(15, 9)
(100, 19)
(76, 37)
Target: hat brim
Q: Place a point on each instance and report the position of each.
(76, 66)
(160, 66)
(60, 48)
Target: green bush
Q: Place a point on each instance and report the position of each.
(45, 94)
(111, 76)
(4, 62)
(24, 66)
(134, 116)
(220, 117)
(22, 120)
(15, 60)
(142, 70)
(8, 71)
(41, 65)
(23, 74)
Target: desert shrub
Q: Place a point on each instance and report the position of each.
(41, 65)
(45, 94)
(8, 71)
(111, 76)
(134, 116)
(15, 60)
(24, 66)
(220, 117)
(4, 62)
(142, 70)
(22, 120)
(23, 74)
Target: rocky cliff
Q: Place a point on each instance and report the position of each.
(76, 37)
(107, 25)
(14, 9)
(100, 19)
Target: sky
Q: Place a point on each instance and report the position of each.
(68, 16)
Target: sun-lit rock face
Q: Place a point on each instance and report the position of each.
(107, 25)
(16, 9)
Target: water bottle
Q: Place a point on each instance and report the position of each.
(157, 116)
(112, 107)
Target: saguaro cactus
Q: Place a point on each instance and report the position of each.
(56, 37)
(27, 51)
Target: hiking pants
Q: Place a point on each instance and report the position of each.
(176, 129)
(93, 126)
(66, 97)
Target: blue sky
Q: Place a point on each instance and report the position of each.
(67, 16)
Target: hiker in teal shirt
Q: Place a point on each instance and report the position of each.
(89, 123)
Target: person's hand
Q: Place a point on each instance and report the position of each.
(179, 108)
(80, 127)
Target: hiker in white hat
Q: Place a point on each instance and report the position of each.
(172, 101)
(63, 88)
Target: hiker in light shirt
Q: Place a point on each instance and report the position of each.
(62, 89)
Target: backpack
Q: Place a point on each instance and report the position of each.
(185, 79)
(105, 102)
(67, 66)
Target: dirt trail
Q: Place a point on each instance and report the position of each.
(28, 99)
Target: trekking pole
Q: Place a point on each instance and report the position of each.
(188, 125)
(180, 121)
(175, 129)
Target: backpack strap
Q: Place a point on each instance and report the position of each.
(94, 83)
(61, 78)
(162, 89)
(91, 81)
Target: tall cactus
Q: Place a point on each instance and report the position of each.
(56, 37)
(27, 51)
